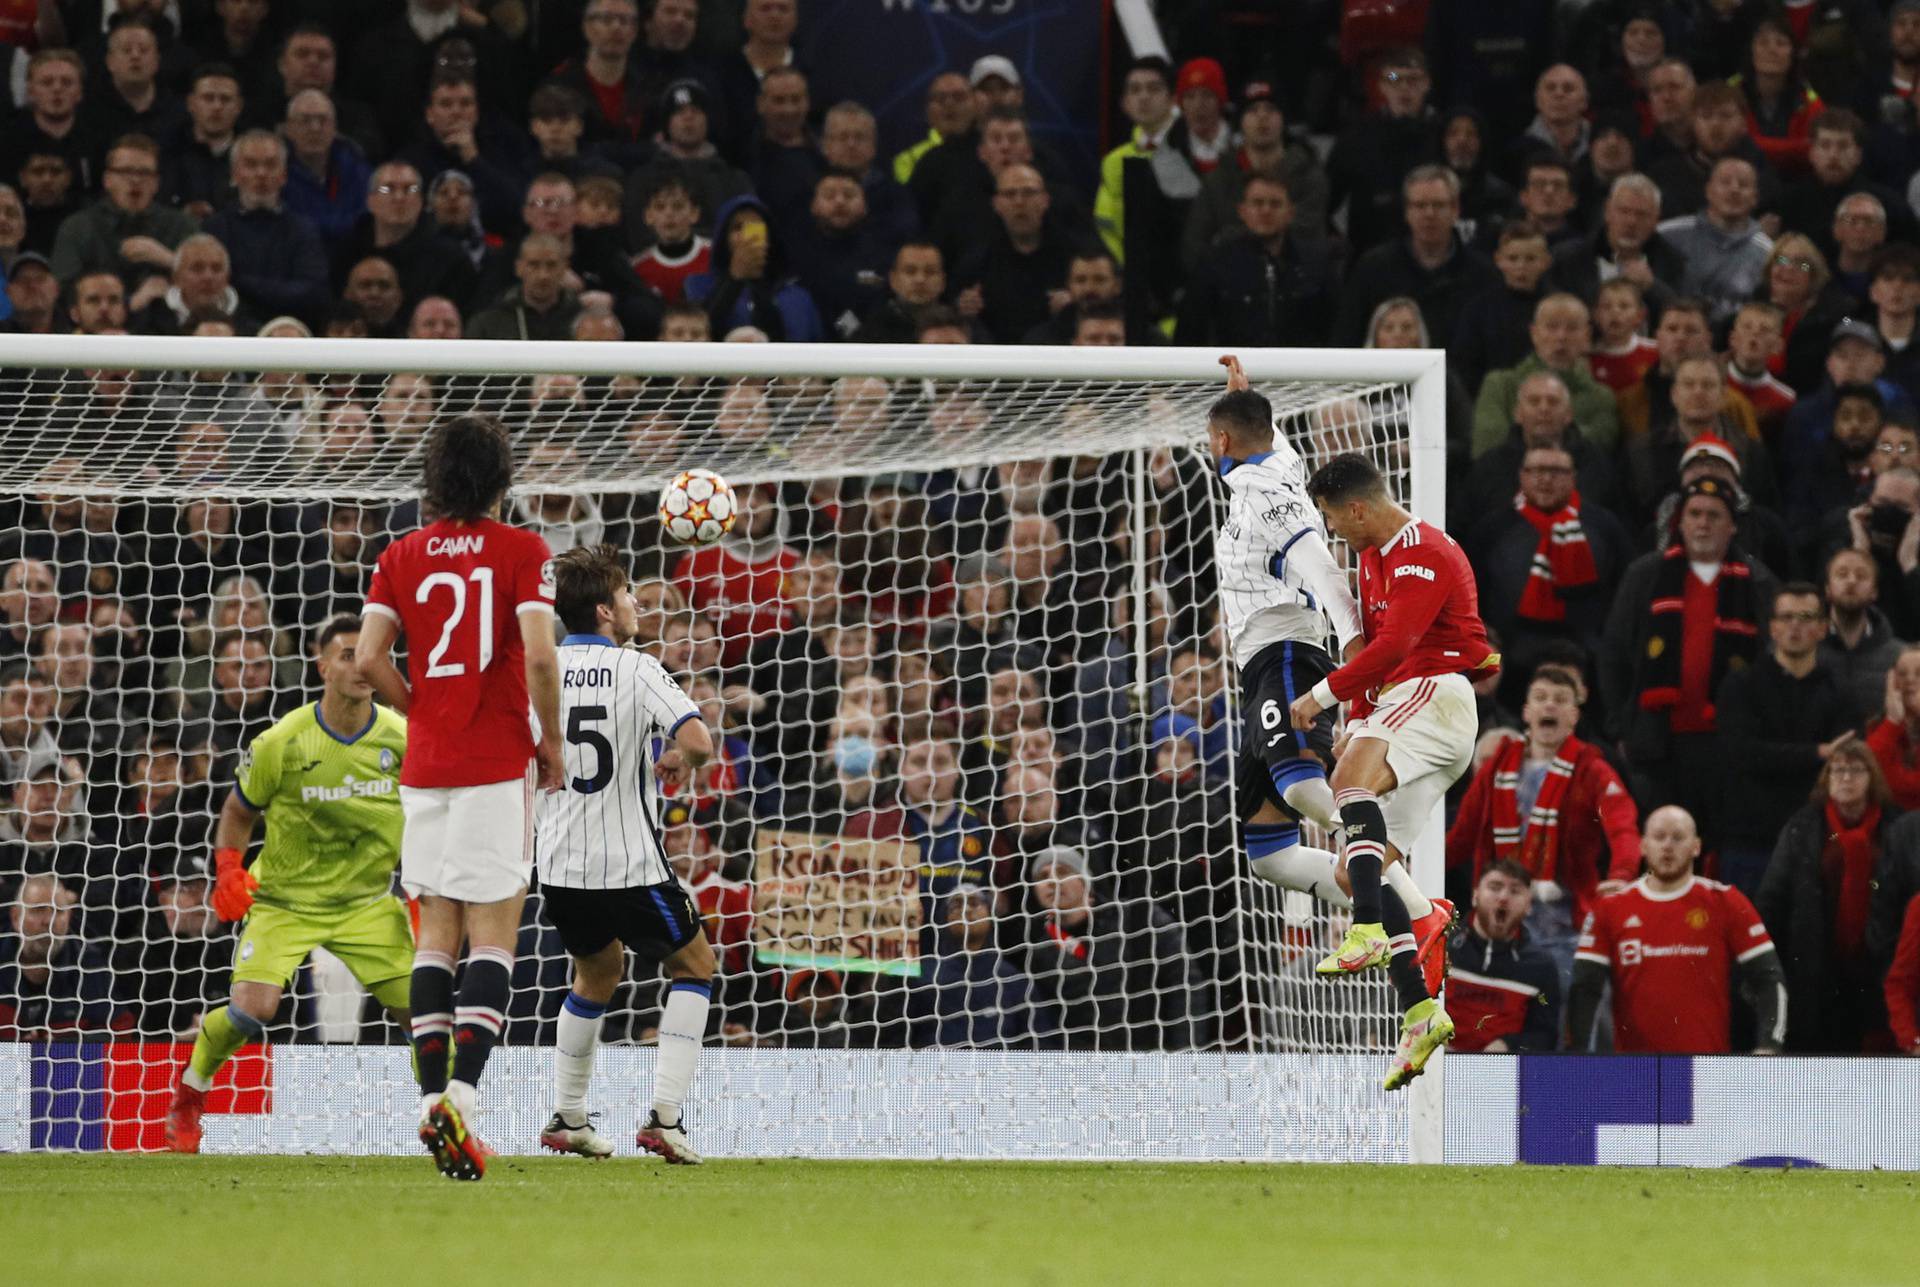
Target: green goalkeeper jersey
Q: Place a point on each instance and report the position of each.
(332, 802)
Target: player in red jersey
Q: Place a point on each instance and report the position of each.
(474, 598)
(1669, 943)
(1416, 725)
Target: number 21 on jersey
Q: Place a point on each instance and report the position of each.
(482, 578)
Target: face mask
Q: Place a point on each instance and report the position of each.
(854, 756)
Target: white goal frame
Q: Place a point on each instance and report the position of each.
(945, 1086)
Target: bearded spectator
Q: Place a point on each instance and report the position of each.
(1503, 991)
(1859, 648)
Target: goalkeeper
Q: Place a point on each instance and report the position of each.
(328, 778)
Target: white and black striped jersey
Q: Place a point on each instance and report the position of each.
(1277, 576)
(602, 830)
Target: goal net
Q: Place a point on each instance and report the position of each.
(968, 853)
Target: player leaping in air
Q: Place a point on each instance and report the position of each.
(603, 873)
(326, 776)
(1424, 637)
(1279, 586)
(475, 600)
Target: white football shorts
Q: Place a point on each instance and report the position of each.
(1430, 725)
(473, 843)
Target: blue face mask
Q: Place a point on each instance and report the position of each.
(854, 756)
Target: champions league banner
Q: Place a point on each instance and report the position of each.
(885, 53)
(1683, 1110)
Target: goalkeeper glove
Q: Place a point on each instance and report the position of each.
(233, 884)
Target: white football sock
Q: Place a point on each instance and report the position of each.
(1309, 870)
(1312, 799)
(576, 1037)
(465, 1099)
(1401, 879)
(682, 1025)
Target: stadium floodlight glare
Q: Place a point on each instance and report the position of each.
(220, 488)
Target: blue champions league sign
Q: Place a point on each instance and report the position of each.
(884, 53)
(1681, 1110)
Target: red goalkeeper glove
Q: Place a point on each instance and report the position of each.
(233, 884)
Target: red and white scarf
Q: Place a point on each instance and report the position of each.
(1536, 846)
(1562, 559)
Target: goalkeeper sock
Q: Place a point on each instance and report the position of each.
(430, 998)
(575, 1038)
(1366, 831)
(222, 1032)
(1401, 880)
(1403, 966)
(1280, 859)
(682, 1025)
(481, 1013)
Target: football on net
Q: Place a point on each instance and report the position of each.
(698, 507)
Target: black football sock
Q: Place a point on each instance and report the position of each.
(1365, 829)
(1403, 966)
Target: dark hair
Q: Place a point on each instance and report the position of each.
(216, 71)
(1157, 65)
(1862, 756)
(1688, 304)
(935, 317)
(553, 100)
(1004, 112)
(1104, 310)
(344, 623)
(920, 243)
(1865, 392)
(1507, 867)
(468, 468)
(1553, 672)
(669, 182)
(1520, 230)
(584, 578)
(1840, 120)
(1798, 590)
(1347, 477)
(1247, 415)
(1896, 255)
(1543, 160)
(1088, 252)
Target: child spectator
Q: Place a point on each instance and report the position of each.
(678, 251)
(597, 202)
(1621, 355)
(1758, 336)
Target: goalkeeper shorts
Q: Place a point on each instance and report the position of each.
(375, 941)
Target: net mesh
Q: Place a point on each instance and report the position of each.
(961, 649)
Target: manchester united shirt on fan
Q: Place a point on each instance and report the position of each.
(1672, 957)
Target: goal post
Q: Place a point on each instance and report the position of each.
(972, 836)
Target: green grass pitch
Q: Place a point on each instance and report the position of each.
(261, 1221)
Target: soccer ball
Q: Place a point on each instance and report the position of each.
(698, 507)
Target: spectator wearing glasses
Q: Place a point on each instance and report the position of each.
(607, 76)
(1781, 719)
(326, 173)
(396, 229)
(1817, 898)
(1859, 231)
(1547, 560)
(1376, 153)
(1800, 284)
(126, 231)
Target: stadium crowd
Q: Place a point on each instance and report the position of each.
(1673, 252)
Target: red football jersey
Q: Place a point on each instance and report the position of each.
(747, 600)
(1672, 959)
(457, 591)
(1623, 370)
(1419, 612)
(1771, 396)
(668, 274)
